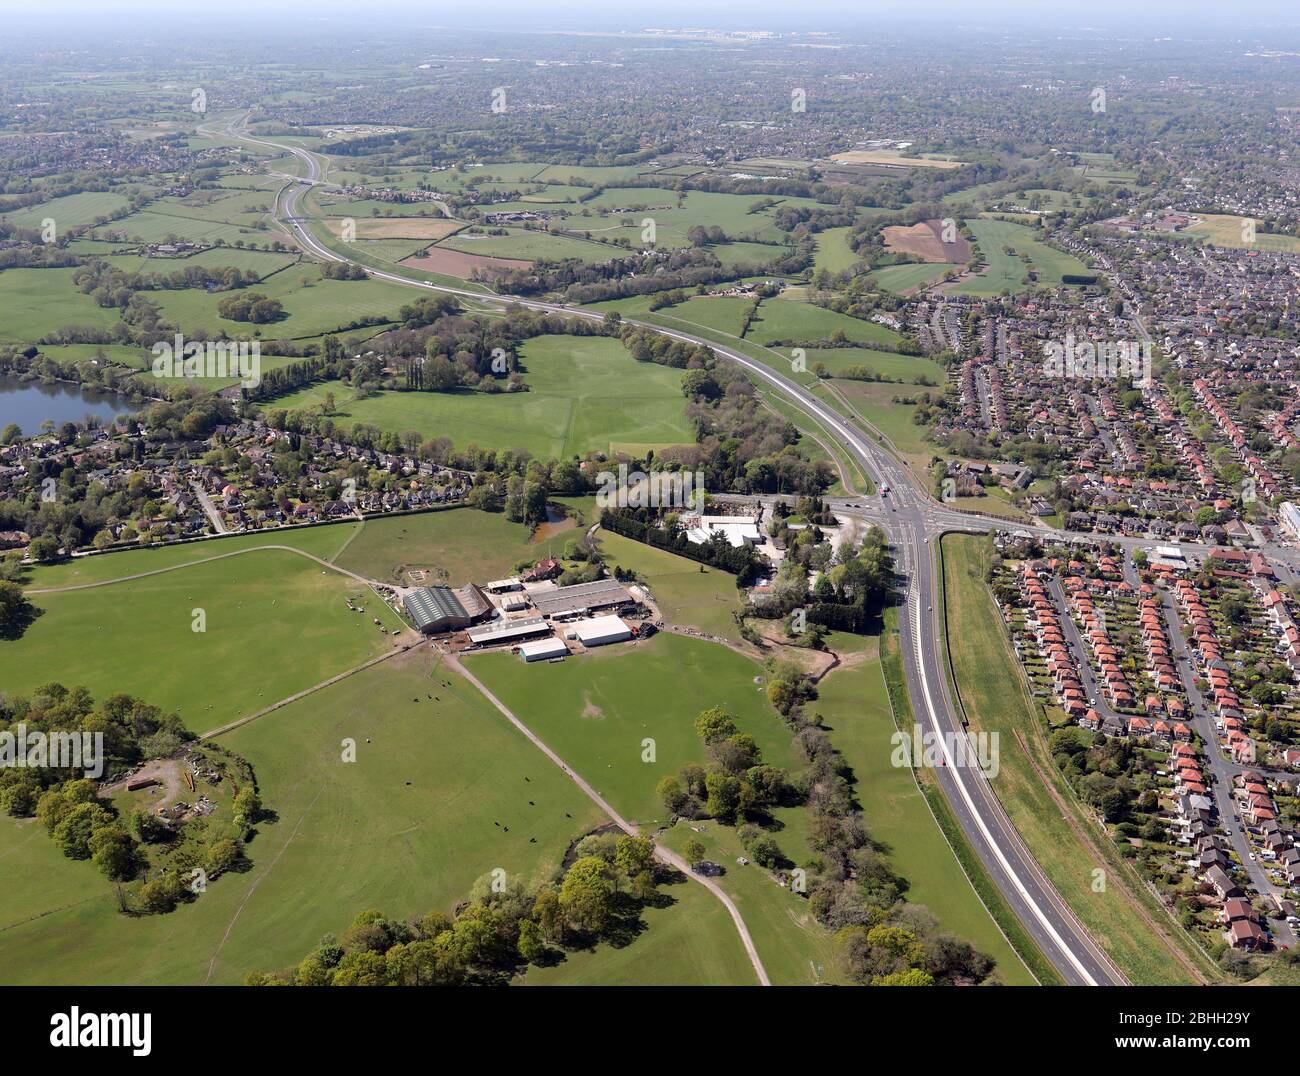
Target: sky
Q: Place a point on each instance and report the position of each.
(1171, 15)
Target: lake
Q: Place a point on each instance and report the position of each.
(29, 403)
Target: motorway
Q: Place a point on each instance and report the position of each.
(913, 521)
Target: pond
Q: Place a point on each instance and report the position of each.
(30, 403)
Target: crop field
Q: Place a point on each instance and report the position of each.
(901, 279)
(429, 228)
(409, 826)
(70, 211)
(595, 710)
(1007, 272)
(584, 392)
(275, 623)
(925, 240)
(456, 545)
(526, 245)
(890, 156)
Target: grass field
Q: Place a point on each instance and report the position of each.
(322, 542)
(312, 305)
(70, 211)
(833, 253)
(691, 942)
(855, 705)
(874, 402)
(595, 710)
(1219, 230)
(408, 828)
(906, 368)
(584, 393)
(687, 593)
(1008, 271)
(903, 278)
(1053, 826)
(531, 246)
(796, 950)
(459, 545)
(791, 319)
(35, 302)
(276, 623)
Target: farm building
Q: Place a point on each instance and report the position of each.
(582, 598)
(503, 631)
(503, 586)
(543, 649)
(437, 609)
(600, 630)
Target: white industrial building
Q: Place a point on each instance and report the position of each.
(599, 630)
(504, 631)
(543, 649)
(737, 530)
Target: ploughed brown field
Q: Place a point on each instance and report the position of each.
(459, 264)
(925, 241)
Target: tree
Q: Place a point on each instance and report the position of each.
(16, 612)
(586, 895)
(714, 724)
(532, 946)
(694, 851)
(632, 855)
(724, 796)
(74, 831)
(671, 794)
(224, 855)
(113, 851)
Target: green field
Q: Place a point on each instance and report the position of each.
(322, 542)
(595, 709)
(691, 942)
(584, 393)
(1006, 272)
(687, 593)
(312, 305)
(35, 302)
(530, 246)
(1220, 230)
(70, 211)
(276, 623)
(792, 319)
(408, 827)
(855, 705)
(833, 252)
(904, 368)
(903, 278)
(458, 545)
